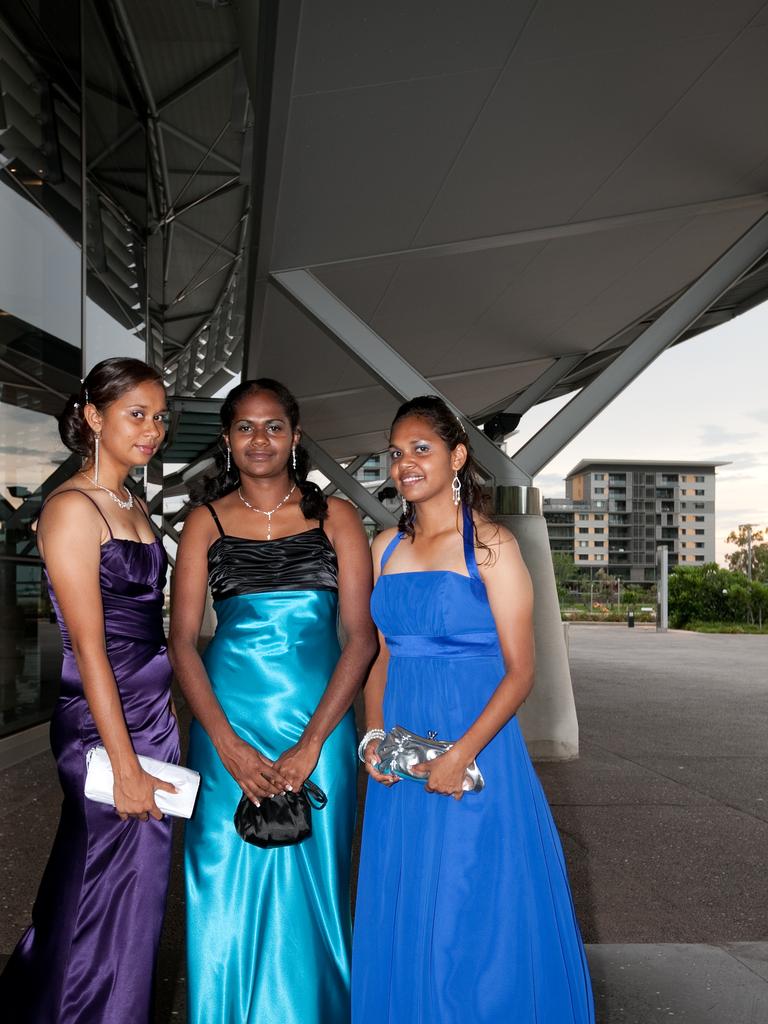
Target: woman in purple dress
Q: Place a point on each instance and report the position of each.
(89, 956)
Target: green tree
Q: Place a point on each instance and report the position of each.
(737, 560)
(566, 571)
(708, 593)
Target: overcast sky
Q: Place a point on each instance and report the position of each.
(707, 399)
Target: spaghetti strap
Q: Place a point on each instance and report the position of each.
(215, 518)
(389, 549)
(146, 514)
(469, 543)
(85, 494)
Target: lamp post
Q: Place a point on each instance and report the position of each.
(748, 528)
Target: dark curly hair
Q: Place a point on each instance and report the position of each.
(447, 425)
(106, 382)
(314, 504)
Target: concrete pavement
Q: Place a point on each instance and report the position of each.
(664, 821)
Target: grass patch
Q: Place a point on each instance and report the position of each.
(726, 627)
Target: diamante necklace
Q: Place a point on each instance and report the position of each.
(127, 504)
(263, 512)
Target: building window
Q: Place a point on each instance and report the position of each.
(600, 517)
(699, 533)
(699, 543)
(599, 476)
(699, 479)
(599, 490)
(599, 543)
(599, 529)
(699, 558)
(583, 529)
(698, 519)
(582, 517)
(583, 543)
(583, 558)
(599, 558)
(699, 493)
(699, 504)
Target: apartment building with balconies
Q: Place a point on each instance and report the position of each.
(617, 512)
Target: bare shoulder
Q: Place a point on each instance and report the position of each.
(381, 540)
(493, 535)
(343, 518)
(199, 521)
(70, 520)
(69, 507)
(341, 511)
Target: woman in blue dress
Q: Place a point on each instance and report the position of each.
(268, 930)
(464, 912)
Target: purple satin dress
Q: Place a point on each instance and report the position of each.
(89, 956)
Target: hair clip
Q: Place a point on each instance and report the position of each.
(77, 405)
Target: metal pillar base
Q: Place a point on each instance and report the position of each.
(548, 717)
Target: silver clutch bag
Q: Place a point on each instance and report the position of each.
(401, 750)
(99, 782)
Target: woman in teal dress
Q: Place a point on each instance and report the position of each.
(464, 912)
(268, 930)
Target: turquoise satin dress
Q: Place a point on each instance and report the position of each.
(269, 931)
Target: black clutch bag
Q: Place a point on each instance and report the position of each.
(280, 820)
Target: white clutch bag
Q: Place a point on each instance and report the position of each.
(99, 782)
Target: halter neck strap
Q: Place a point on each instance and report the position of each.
(389, 549)
(469, 542)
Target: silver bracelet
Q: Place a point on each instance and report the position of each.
(372, 734)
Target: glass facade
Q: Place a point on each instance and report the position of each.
(40, 329)
(142, 148)
(51, 327)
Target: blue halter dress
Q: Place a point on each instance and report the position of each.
(269, 931)
(464, 912)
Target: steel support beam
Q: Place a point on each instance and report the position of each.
(199, 79)
(385, 364)
(352, 468)
(269, 39)
(188, 230)
(200, 147)
(346, 483)
(535, 391)
(663, 332)
(549, 232)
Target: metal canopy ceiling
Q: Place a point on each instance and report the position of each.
(183, 77)
(493, 188)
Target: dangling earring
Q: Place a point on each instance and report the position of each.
(97, 438)
(404, 503)
(229, 458)
(456, 488)
(293, 456)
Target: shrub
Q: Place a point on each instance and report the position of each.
(708, 593)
